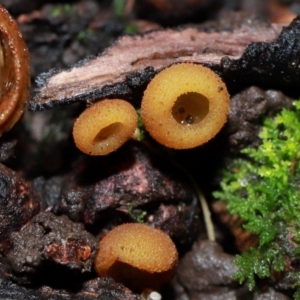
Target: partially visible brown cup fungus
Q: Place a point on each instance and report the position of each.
(185, 106)
(14, 72)
(137, 255)
(105, 126)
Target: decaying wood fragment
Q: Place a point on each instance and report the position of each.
(133, 60)
(272, 65)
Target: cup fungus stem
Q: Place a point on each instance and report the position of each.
(206, 212)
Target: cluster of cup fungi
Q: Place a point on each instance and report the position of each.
(184, 106)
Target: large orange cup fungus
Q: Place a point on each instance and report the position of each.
(105, 126)
(185, 106)
(137, 255)
(14, 72)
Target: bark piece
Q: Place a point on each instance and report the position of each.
(274, 64)
(270, 60)
(132, 61)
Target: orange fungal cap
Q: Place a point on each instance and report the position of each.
(137, 255)
(14, 72)
(185, 106)
(105, 126)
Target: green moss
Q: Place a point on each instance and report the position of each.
(262, 187)
(131, 29)
(84, 34)
(141, 126)
(137, 215)
(61, 9)
(119, 7)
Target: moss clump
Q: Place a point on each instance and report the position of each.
(263, 188)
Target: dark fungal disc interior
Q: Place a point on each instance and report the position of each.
(190, 108)
(107, 132)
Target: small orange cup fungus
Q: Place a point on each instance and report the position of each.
(185, 106)
(105, 126)
(14, 72)
(137, 255)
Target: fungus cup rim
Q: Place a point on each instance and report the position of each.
(162, 125)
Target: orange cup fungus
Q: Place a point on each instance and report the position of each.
(137, 255)
(14, 72)
(105, 126)
(185, 106)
